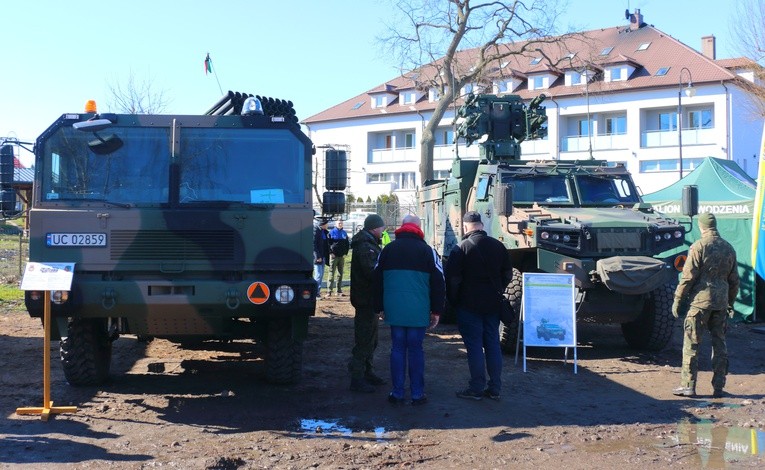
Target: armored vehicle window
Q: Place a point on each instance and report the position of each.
(135, 173)
(482, 191)
(232, 165)
(606, 190)
(528, 189)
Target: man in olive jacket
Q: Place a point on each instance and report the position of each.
(709, 284)
(366, 249)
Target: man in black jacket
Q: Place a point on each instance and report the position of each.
(477, 272)
(320, 252)
(366, 249)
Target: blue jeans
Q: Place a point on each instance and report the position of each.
(480, 333)
(406, 347)
(318, 275)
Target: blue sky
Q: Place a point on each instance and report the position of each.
(317, 53)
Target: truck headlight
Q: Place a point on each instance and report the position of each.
(58, 297)
(284, 294)
(678, 234)
(544, 235)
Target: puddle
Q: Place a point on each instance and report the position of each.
(333, 428)
(717, 446)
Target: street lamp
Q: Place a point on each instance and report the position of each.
(689, 92)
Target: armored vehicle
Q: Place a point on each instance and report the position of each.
(584, 218)
(185, 227)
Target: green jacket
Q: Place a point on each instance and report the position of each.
(710, 275)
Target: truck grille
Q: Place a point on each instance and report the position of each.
(623, 241)
(164, 245)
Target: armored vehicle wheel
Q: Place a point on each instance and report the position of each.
(284, 360)
(86, 352)
(652, 330)
(508, 334)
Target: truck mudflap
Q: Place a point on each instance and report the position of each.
(632, 274)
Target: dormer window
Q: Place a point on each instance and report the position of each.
(409, 97)
(617, 74)
(379, 101)
(467, 89)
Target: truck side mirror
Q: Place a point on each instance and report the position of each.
(503, 199)
(690, 200)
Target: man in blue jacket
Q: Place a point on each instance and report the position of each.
(338, 248)
(410, 293)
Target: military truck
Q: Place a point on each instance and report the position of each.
(185, 227)
(582, 217)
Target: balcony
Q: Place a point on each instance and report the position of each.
(695, 136)
(401, 154)
(581, 143)
(535, 147)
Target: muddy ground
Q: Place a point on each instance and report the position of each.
(212, 409)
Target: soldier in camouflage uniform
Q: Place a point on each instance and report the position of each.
(709, 284)
(366, 249)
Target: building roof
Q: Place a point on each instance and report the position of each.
(647, 49)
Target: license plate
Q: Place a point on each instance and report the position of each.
(76, 239)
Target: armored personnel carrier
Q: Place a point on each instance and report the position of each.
(185, 227)
(584, 218)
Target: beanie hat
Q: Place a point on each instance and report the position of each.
(707, 220)
(373, 221)
(472, 217)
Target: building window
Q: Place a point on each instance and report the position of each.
(616, 74)
(616, 125)
(388, 141)
(700, 119)
(583, 127)
(444, 136)
(358, 105)
(537, 83)
(409, 141)
(409, 97)
(403, 180)
(535, 61)
(668, 121)
(670, 165)
(503, 86)
(379, 101)
(643, 46)
(440, 174)
(607, 50)
(662, 71)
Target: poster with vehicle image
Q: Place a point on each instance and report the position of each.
(549, 314)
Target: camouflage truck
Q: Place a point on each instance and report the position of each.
(185, 227)
(584, 218)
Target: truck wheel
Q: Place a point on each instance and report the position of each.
(652, 330)
(86, 352)
(284, 360)
(508, 334)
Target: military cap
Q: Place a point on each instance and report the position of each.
(707, 220)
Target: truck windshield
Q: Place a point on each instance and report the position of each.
(528, 189)
(215, 165)
(612, 189)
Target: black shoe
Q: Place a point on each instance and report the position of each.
(470, 395)
(420, 401)
(492, 395)
(395, 401)
(374, 379)
(719, 393)
(684, 392)
(340, 294)
(362, 386)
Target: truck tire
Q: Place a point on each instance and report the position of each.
(652, 330)
(508, 334)
(284, 359)
(86, 352)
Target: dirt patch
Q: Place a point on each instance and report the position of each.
(210, 407)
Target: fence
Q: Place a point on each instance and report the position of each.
(14, 253)
(392, 213)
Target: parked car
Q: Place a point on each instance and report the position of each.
(355, 221)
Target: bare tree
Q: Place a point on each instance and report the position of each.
(133, 97)
(446, 44)
(748, 37)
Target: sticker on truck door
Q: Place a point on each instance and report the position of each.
(258, 293)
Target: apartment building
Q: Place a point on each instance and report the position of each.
(631, 94)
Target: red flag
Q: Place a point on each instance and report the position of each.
(208, 64)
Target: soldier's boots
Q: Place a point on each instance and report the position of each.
(684, 392)
(373, 379)
(362, 386)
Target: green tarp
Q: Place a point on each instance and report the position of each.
(726, 191)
